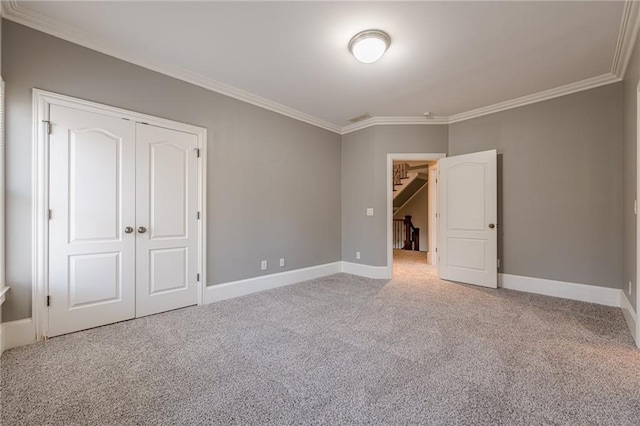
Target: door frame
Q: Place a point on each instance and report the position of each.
(399, 157)
(42, 100)
(432, 209)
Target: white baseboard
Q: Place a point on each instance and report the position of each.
(18, 333)
(216, 293)
(629, 316)
(375, 272)
(581, 292)
(233, 289)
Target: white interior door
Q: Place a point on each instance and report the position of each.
(468, 198)
(167, 219)
(92, 201)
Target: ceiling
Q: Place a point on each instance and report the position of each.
(448, 58)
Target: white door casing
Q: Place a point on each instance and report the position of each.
(468, 194)
(92, 200)
(167, 207)
(432, 209)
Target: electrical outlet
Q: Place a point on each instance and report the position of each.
(282, 262)
(369, 211)
(357, 255)
(263, 265)
(498, 263)
(629, 288)
(635, 206)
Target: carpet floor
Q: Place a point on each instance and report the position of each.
(339, 350)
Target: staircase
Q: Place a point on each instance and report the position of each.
(405, 235)
(405, 184)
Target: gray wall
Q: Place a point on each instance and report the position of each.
(358, 158)
(282, 188)
(416, 207)
(364, 183)
(274, 182)
(561, 177)
(632, 77)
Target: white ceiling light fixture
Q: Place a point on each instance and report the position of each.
(369, 46)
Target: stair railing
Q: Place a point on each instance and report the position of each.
(405, 235)
(399, 173)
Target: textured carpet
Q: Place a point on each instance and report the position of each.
(340, 350)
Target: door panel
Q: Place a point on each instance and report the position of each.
(94, 218)
(466, 197)
(168, 270)
(92, 199)
(167, 203)
(467, 253)
(94, 279)
(468, 218)
(168, 180)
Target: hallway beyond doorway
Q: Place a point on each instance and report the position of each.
(409, 264)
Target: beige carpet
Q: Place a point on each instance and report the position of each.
(339, 350)
(409, 257)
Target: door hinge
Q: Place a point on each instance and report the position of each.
(197, 150)
(48, 124)
(50, 214)
(198, 277)
(48, 300)
(198, 215)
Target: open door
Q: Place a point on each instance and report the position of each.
(468, 197)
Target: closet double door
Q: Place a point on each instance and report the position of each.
(123, 228)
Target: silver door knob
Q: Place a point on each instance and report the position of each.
(142, 230)
(491, 226)
(128, 230)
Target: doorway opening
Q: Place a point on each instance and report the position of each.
(412, 213)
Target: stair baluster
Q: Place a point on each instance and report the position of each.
(405, 235)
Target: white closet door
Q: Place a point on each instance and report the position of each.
(468, 198)
(167, 223)
(92, 201)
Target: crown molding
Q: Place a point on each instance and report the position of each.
(14, 12)
(387, 121)
(629, 25)
(567, 89)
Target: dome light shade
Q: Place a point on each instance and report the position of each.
(369, 46)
